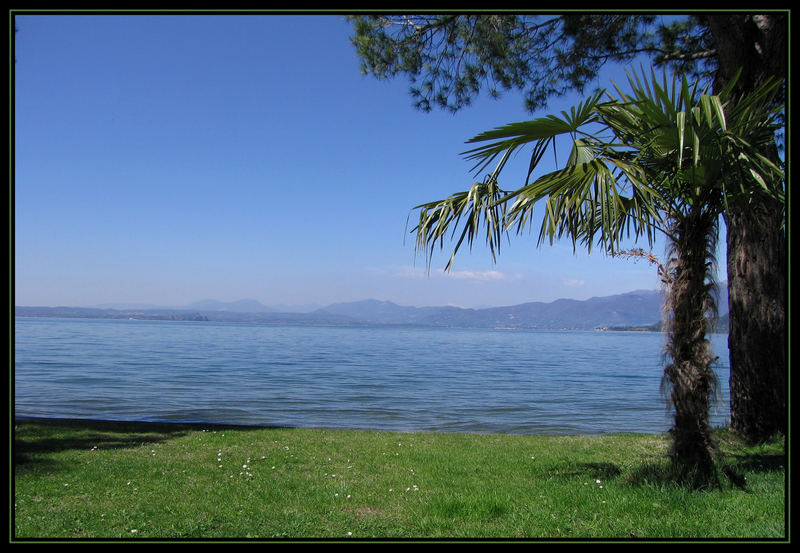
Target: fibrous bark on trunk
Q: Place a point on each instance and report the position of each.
(689, 374)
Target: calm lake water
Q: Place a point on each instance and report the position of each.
(408, 379)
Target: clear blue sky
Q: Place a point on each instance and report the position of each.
(174, 158)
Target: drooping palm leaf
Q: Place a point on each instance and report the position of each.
(671, 146)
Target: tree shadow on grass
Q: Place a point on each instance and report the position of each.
(730, 471)
(760, 462)
(35, 440)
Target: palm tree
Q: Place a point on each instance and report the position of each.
(663, 159)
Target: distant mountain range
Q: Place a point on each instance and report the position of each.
(239, 306)
(637, 310)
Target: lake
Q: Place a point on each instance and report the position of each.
(381, 378)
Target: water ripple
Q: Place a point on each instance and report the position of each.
(412, 379)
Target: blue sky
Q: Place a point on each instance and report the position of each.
(175, 158)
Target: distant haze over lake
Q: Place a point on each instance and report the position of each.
(640, 308)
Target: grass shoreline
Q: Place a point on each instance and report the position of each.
(93, 479)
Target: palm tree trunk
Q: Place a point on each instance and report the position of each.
(689, 374)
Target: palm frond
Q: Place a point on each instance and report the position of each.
(672, 147)
(478, 206)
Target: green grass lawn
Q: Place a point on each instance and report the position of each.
(85, 479)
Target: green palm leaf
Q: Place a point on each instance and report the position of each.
(671, 147)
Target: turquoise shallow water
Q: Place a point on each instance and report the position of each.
(382, 378)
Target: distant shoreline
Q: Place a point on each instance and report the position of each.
(328, 319)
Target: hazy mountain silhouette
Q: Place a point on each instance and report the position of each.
(638, 309)
(642, 307)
